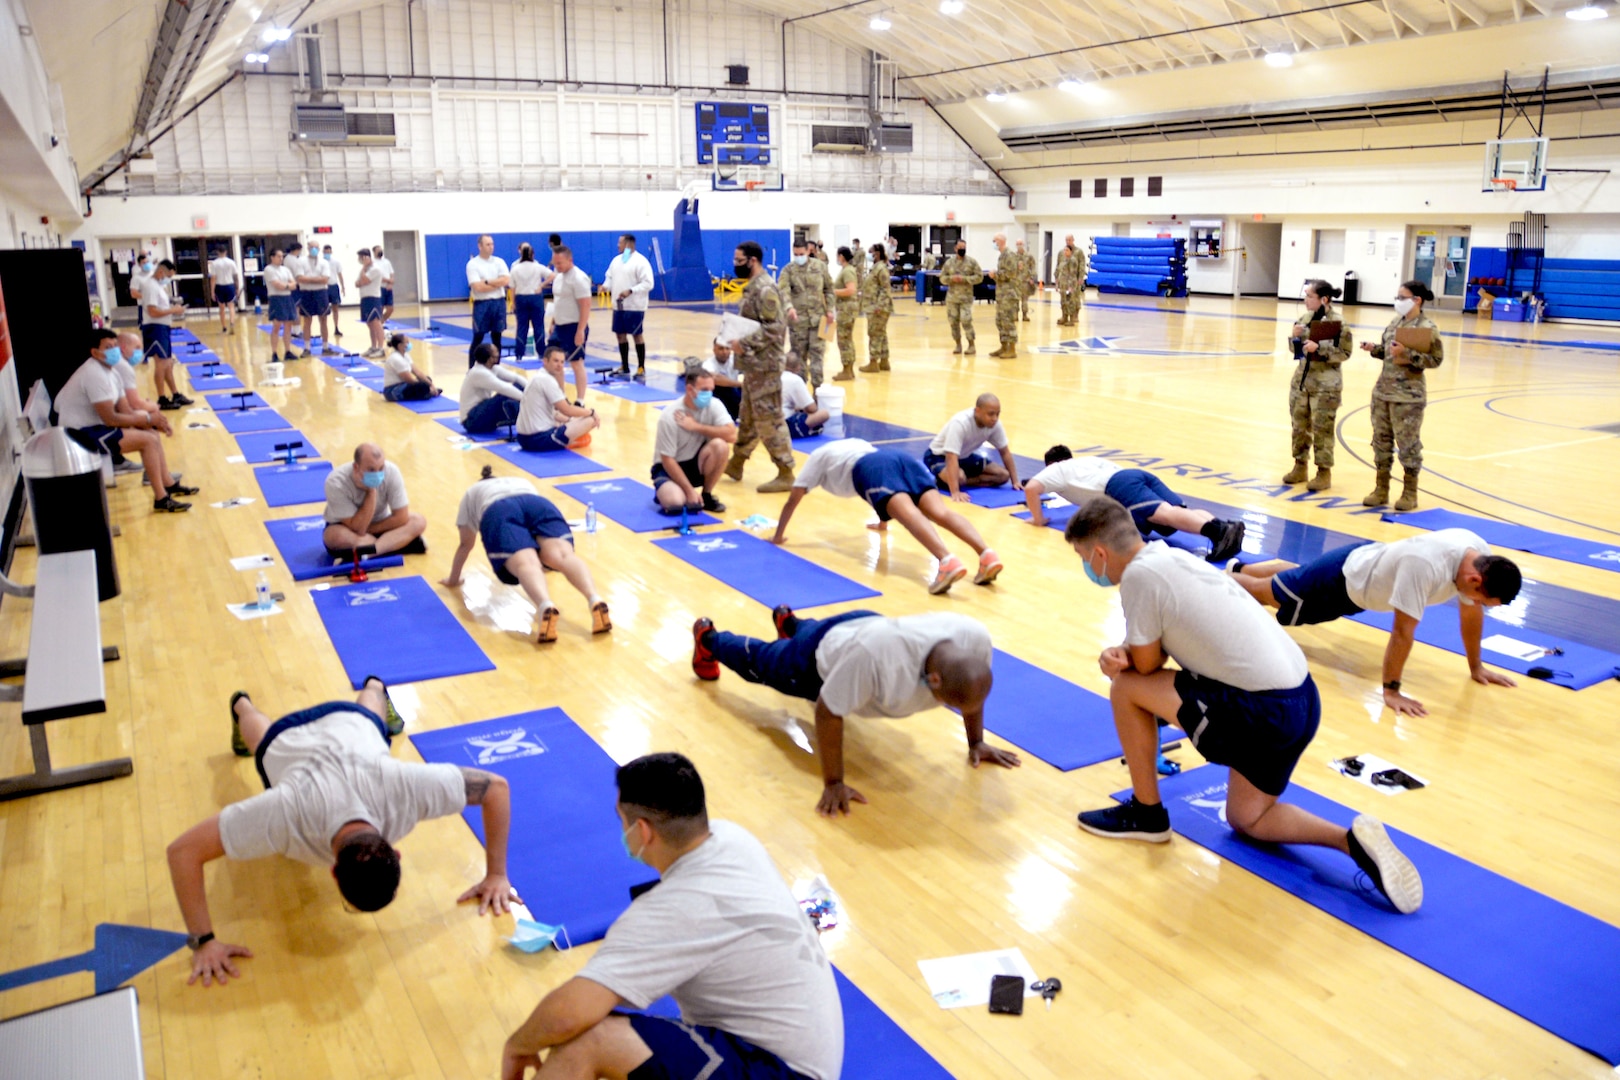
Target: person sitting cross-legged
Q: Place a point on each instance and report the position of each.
(691, 448)
(403, 380)
(490, 394)
(956, 456)
(803, 415)
(547, 420)
(367, 511)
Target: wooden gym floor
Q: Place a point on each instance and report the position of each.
(1173, 964)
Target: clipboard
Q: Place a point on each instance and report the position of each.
(1418, 339)
(1326, 330)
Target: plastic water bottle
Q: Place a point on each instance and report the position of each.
(686, 528)
(590, 517)
(262, 592)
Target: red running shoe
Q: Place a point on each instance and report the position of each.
(704, 665)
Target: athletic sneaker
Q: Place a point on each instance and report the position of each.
(950, 572)
(239, 745)
(1378, 857)
(305, 355)
(417, 546)
(704, 665)
(331, 350)
(545, 629)
(712, 504)
(181, 399)
(177, 488)
(128, 466)
(787, 623)
(989, 567)
(1129, 821)
(145, 482)
(170, 505)
(641, 375)
(391, 718)
(600, 622)
(167, 404)
(1228, 542)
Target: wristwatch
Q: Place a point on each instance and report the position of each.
(193, 942)
(1394, 686)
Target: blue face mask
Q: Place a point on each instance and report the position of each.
(625, 256)
(799, 260)
(374, 479)
(137, 356)
(112, 355)
(406, 347)
(624, 841)
(1096, 578)
(703, 398)
(532, 936)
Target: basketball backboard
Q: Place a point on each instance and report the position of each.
(1515, 165)
(750, 178)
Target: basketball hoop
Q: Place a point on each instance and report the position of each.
(1504, 183)
(753, 187)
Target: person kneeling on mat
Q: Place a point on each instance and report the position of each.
(896, 485)
(862, 664)
(721, 932)
(367, 512)
(1244, 695)
(1404, 577)
(489, 393)
(403, 380)
(956, 456)
(1153, 506)
(335, 798)
(799, 409)
(691, 448)
(524, 536)
(547, 420)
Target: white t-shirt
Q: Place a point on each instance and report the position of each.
(92, 383)
(725, 936)
(343, 497)
(280, 280)
(126, 375)
(387, 269)
(539, 409)
(680, 444)
(874, 667)
(962, 436)
(395, 365)
(314, 266)
(1206, 622)
(223, 271)
(326, 774)
(727, 369)
(483, 383)
(482, 269)
(155, 293)
(486, 493)
(528, 278)
(1408, 575)
(795, 395)
(370, 280)
(1077, 479)
(635, 274)
(334, 271)
(567, 290)
(830, 467)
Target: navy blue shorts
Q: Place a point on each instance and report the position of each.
(313, 303)
(1315, 592)
(334, 295)
(309, 716)
(408, 391)
(99, 439)
(628, 322)
(388, 297)
(972, 465)
(284, 308)
(489, 316)
(562, 336)
(1141, 493)
(684, 1052)
(541, 441)
(224, 294)
(883, 474)
(798, 425)
(155, 340)
(1258, 733)
(371, 307)
(517, 523)
(660, 476)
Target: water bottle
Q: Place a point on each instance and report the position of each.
(686, 528)
(590, 517)
(262, 592)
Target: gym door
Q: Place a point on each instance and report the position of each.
(1439, 258)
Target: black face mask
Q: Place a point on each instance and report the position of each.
(961, 251)
(742, 269)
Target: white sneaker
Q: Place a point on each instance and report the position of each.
(128, 466)
(1378, 857)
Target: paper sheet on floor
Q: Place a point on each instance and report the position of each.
(252, 562)
(958, 981)
(1507, 646)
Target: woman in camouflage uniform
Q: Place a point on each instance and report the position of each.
(879, 303)
(1400, 396)
(1315, 390)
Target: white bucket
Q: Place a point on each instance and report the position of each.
(273, 369)
(831, 398)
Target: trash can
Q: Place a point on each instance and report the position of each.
(69, 502)
(1352, 287)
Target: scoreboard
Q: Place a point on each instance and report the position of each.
(733, 133)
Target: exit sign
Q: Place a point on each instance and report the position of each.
(199, 222)
(322, 230)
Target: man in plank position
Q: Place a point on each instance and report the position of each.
(367, 509)
(1404, 577)
(721, 932)
(1243, 694)
(956, 458)
(862, 664)
(335, 798)
(896, 486)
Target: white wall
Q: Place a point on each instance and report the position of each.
(36, 179)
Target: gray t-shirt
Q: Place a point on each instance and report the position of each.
(962, 436)
(326, 774)
(1409, 575)
(482, 495)
(343, 497)
(874, 667)
(722, 933)
(676, 441)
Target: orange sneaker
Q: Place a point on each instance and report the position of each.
(704, 665)
(950, 572)
(546, 629)
(600, 623)
(989, 567)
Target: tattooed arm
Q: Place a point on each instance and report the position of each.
(492, 795)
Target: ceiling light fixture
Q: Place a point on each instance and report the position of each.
(278, 33)
(1592, 9)
(1088, 91)
(256, 58)
(951, 7)
(995, 95)
(1280, 59)
(880, 22)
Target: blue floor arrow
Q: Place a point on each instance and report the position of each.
(121, 953)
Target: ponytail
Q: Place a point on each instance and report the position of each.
(1324, 291)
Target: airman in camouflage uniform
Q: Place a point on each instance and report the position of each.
(1400, 396)
(879, 304)
(846, 288)
(1026, 280)
(1315, 390)
(858, 261)
(1070, 277)
(809, 294)
(760, 357)
(960, 273)
(1009, 286)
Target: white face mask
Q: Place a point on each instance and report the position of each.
(799, 260)
(1403, 307)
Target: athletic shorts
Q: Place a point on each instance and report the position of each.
(284, 308)
(1141, 493)
(99, 439)
(685, 1052)
(798, 425)
(562, 336)
(313, 303)
(309, 716)
(334, 295)
(972, 465)
(1260, 734)
(517, 523)
(1315, 592)
(628, 322)
(224, 294)
(883, 474)
(408, 391)
(489, 316)
(388, 298)
(539, 442)
(371, 307)
(660, 476)
(156, 341)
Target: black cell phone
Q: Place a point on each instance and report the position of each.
(1007, 994)
(1396, 778)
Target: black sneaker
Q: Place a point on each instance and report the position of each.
(170, 505)
(416, 547)
(1228, 542)
(181, 399)
(787, 623)
(1378, 857)
(1129, 821)
(239, 745)
(168, 404)
(178, 488)
(712, 504)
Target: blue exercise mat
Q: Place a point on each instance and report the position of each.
(1063, 724)
(1557, 967)
(630, 503)
(634, 391)
(237, 422)
(763, 571)
(996, 498)
(453, 423)
(231, 402)
(291, 485)
(224, 380)
(1518, 537)
(352, 365)
(1057, 517)
(182, 335)
(298, 542)
(398, 630)
(427, 406)
(202, 356)
(564, 857)
(873, 431)
(547, 464)
(260, 446)
(1579, 666)
(875, 1047)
